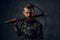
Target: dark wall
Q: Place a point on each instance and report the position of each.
(13, 8)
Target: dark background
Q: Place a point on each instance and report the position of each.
(13, 8)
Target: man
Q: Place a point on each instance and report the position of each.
(30, 28)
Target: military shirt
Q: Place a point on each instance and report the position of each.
(30, 30)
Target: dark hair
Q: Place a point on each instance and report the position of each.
(29, 6)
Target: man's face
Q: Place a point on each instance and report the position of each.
(28, 13)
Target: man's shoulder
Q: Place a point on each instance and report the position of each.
(38, 23)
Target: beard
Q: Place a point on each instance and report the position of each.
(28, 18)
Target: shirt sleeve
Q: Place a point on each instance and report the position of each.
(17, 30)
(39, 32)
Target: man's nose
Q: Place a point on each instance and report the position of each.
(29, 14)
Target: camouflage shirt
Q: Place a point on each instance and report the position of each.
(30, 30)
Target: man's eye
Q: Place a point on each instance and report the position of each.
(30, 12)
(26, 12)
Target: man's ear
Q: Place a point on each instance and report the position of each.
(33, 12)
